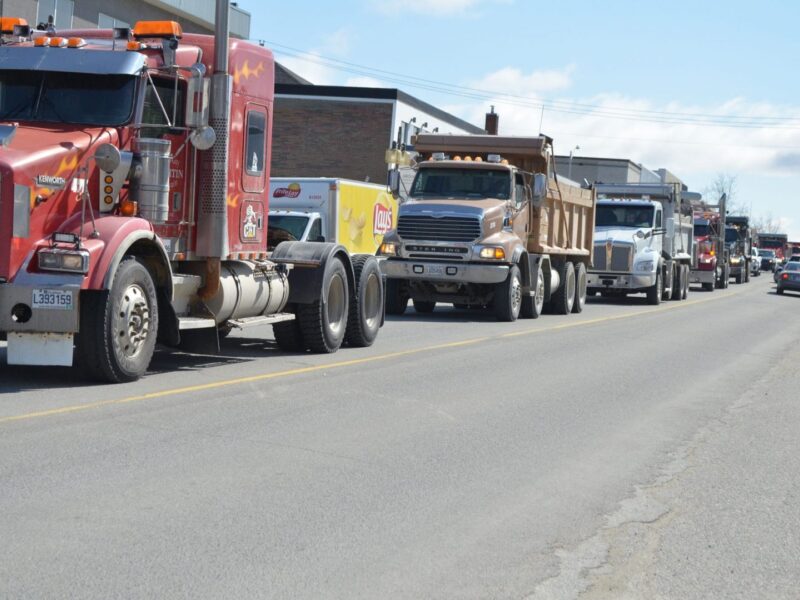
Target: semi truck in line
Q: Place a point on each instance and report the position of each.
(778, 242)
(643, 241)
(487, 223)
(351, 213)
(133, 203)
(739, 240)
(710, 266)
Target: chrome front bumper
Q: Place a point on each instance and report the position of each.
(620, 281)
(446, 272)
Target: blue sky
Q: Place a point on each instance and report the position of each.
(679, 74)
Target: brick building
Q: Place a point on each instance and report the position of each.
(333, 131)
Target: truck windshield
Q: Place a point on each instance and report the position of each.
(462, 183)
(702, 230)
(285, 228)
(731, 235)
(767, 253)
(624, 216)
(47, 97)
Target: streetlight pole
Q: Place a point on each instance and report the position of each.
(569, 169)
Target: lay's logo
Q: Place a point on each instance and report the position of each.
(381, 219)
(290, 191)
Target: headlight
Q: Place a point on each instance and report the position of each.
(493, 253)
(58, 259)
(735, 260)
(645, 266)
(388, 249)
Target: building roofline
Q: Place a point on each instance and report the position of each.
(600, 159)
(368, 93)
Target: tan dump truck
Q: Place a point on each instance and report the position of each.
(488, 224)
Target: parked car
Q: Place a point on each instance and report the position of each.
(755, 262)
(768, 260)
(789, 278)
(794, 258)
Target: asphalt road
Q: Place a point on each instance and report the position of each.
(630, 451)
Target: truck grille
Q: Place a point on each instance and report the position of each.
(444, 229)
(620, 258)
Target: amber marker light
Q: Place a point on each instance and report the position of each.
(127, 208)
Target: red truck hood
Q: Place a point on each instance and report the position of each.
(43, 163)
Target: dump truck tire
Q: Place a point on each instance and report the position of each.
(508, 296)
(564, 298)
(119, 327)
(366, 303)
(655, 292)
(580, 288)
(396, 300)
(685, 282)
(323, 323)
(288, 336)
(532, 306)
(677, 283)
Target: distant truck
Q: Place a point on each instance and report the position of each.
(778, 242)
(710, 266)
(739, 240)
(643, 241)
(353, 214)
(488, 224)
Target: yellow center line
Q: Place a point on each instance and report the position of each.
(337, 365)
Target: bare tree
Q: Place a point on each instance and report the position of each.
(725, 183)
(767, 224)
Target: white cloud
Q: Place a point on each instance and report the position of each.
(433, 7)
(311, 65)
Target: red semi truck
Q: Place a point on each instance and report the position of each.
(134, 178)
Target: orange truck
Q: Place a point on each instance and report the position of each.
(134, 177)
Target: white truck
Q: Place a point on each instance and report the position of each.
(643, 241)
(351, 213)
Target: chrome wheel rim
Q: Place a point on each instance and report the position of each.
(134, 321)
(336, 307)
(372, 300)
(539, 297)
(516, 295)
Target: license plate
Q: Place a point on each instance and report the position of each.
(52, 299)
(436, 270)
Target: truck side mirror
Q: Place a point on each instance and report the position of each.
(394, 182)
(539, 191)
(197, 98)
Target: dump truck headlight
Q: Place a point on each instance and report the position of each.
(388, 249)
(493, 253)
(644, 266)
(70, 261)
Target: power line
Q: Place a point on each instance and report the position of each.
(561, 106)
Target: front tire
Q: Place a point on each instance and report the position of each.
(396, 298)
(366, 306)
(119, 327)
(655, 292)
(508, 296)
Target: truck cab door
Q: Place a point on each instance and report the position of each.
(521, 208)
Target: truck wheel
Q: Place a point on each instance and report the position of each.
(288, 336)
(366, 306)
(531, 306)
(665, 295)
(677, 283)
(563, 300)
(738, 277)
(655, 292)
(508, 296)
(424, 306)
(119, 328)
(580, 288)
(323, 323)
(396, 300)
(709, 287)
(685, 282)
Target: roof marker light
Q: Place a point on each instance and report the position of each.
(76, 42)
(157, 29)
(58, 42)
(7, 24)
(42, 41)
